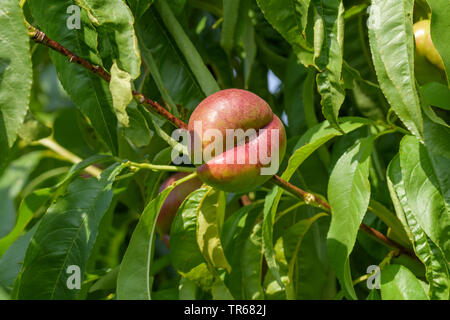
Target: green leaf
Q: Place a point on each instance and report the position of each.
(289, 18)
(187, 289)
(270, 208)
(313, 277)
(38, 201)
(195, 246)
(249, 45)
(106, 282)
(393, 59)
(139, 7)
(437, 134)
(437, 272)
(440, 11)
(251, 265)
(193, 58)
(307, 97)
(220, 291)
(230, 19)
(425, 176)
(11, 262)
(65, 237)
(348, 194)
(316, 137)
(366, 95)
(186, 256)
(294, 90)
(156, 75)
(120, 86)
(398, 283)
(208, 231)
(89, 92)
(114, 21)
(11, 184)
(236, 233)
(33, 130)
(208, 225)
(135, 280)
(436, 94)
(329, 44)
(15, 74)
(3, 295)
(291, 242)
(138, 132)
(373, 295)
(167, 66)
(33, 204)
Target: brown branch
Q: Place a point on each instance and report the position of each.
(40, 37)
(296, 191)
(381, 237)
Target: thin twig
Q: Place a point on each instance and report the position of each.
(40, 37)
(308, 197)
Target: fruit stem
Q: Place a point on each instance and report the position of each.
(187, 178)
(155, 167)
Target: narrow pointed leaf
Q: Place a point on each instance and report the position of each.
(139, 7)
(186, 256)
(174, 79)
(425, 177)
(11, 262)
(65, 237)
(135, 280)
(329, 61)
(120, 86)
(193, 58)
(291, 243)
(440, 11)
(15, 74)
(393, 59)
(251, 265)
(349, 194)
(289, 18)
(437, 271)
(398, 283)
(208, 231)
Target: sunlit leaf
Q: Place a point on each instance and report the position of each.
(15, 74)
(349, 194)
(398, 283)
(393, 59)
